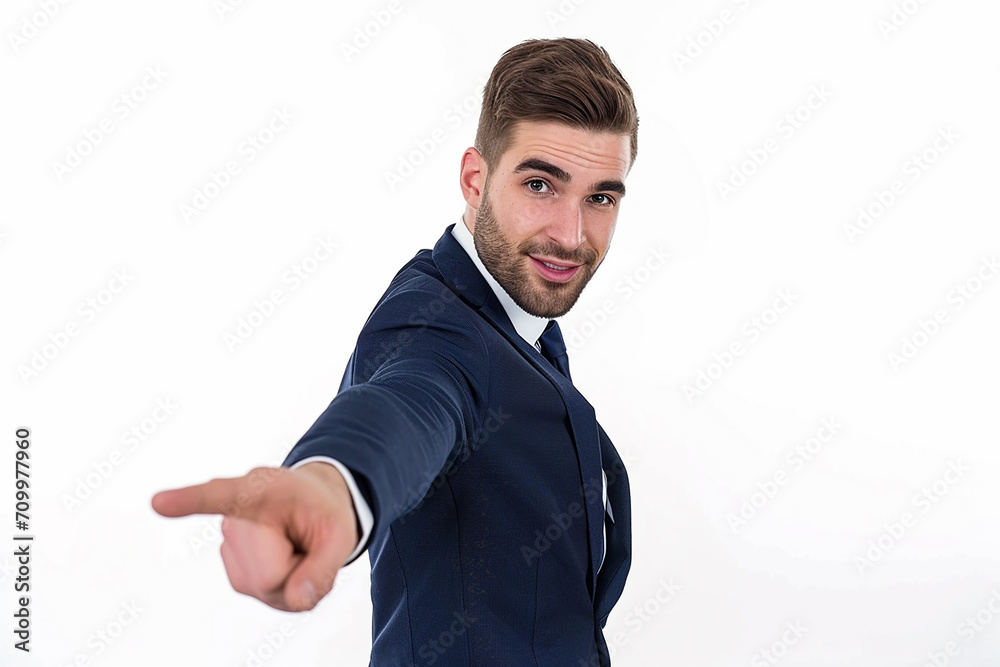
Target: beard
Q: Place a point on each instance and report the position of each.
(513, 270)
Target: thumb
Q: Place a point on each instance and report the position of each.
(326, 548)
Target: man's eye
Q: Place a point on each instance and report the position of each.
(605, 200)
(536, 181)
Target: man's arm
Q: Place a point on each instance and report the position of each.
(287, 532)
(418, 398)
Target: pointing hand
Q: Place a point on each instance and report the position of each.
(286, 532)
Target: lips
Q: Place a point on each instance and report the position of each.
(554, 262)
(560, 275)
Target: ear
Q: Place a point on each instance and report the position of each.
(472, 177)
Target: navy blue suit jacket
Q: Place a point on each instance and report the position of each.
(482, 466)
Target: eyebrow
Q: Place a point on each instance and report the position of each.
(538, 164)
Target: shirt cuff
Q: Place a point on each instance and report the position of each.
(361, 509)
(604, 492)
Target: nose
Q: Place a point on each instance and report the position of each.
(566, 227)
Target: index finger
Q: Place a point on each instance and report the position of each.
(229, 495)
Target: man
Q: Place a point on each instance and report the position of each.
(494, 507)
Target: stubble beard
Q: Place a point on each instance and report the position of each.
(513, 270)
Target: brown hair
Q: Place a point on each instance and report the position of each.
(568, 80)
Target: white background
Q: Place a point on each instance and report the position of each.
(807, 550)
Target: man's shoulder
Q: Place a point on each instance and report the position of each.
(416, 279)
(420, 274)
(420, 302)
(421, 315)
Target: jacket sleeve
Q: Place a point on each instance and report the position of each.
(419, 392)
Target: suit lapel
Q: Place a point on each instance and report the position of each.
(618, 559)
(463, 277)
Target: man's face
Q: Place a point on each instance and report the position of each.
(553, 196)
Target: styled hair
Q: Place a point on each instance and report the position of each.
(567, 80)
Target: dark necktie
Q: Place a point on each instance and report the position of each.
(554, 348)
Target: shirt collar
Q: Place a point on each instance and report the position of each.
(530, 327)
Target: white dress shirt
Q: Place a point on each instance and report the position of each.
(528, 326)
